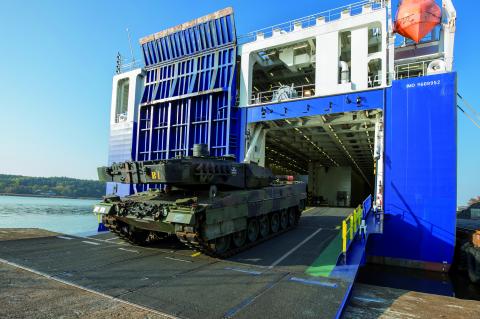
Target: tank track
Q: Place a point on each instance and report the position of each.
(131, 238)
(195, 242)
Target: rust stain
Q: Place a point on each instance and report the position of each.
(212, 16)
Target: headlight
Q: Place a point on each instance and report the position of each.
(99, 209)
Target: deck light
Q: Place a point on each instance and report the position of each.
(359, 101)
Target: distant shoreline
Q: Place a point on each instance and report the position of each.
(48, 196)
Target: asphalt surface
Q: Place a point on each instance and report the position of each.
(24, 294)
(267, 281)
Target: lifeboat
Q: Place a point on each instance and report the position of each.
(416, 18)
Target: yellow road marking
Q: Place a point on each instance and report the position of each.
(196, 254)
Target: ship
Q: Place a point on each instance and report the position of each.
(356, 105)
(342, 99)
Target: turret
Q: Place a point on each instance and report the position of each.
(197, 172)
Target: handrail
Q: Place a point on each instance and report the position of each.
(311, 20)
(350, 227)
(351, 224)
(275, 95)
(367, 205)
(124, 65)
(413, 69)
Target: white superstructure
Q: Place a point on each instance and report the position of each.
(338, 51)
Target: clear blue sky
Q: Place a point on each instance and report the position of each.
(57, 59)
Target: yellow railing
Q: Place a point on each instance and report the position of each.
(350, 227)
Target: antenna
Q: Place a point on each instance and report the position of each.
(131, 49)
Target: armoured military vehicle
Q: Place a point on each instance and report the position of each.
(212, 204)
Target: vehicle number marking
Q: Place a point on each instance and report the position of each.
(156, 175)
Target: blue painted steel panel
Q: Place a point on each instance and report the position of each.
(366, 100)
(190, 92)
(420, 171)
(189, 41)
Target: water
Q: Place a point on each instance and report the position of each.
(453, 284)
(69, 216)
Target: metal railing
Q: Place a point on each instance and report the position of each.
(350, 227)
(311, 20)
(367, 205)
(280, 95)
(352, 224)
(122, 117)
(375, 81)
(411, 70)
(124, 65)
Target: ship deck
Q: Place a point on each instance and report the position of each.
(279, 278)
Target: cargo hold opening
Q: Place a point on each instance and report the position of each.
(333, 154)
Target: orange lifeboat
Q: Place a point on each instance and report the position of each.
(416, 18)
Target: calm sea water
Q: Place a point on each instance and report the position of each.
(69, 216)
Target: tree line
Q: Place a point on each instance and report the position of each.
(51, 186)
(474, 200)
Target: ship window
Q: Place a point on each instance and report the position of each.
(375, 73)
(122, 100)
(345, 60)
(374, 39)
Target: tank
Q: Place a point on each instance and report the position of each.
(211, 204)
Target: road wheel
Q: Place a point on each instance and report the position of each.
(283, 219)
(292, 220)
(264, 226)
(302, 205)
(123, 230)
(221, 244)
(275, 222)
(239, 238)
(139, 237)
(252, 230)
